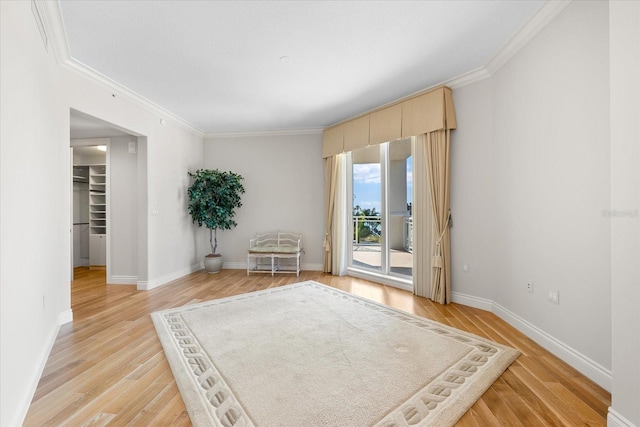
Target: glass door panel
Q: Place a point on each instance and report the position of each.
(382, 223)
(399, 200)
(367, 203)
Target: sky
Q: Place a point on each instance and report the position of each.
(366, 184)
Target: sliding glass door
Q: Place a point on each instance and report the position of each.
(399, 200)
(367, 209)
(381, 235)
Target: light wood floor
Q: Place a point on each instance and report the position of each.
(107, 367)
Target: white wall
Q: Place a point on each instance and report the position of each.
(531, 179)
(624, 18)
(551, 131)
(37, 95)
(473, 193)
(34, 179)
(123, 177)
(171, 150)
(284, 184)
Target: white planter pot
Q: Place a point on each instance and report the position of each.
(213, 264)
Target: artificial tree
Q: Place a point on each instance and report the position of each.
(213, 197)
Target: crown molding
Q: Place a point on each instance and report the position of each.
(528, 31)
(55, 29)
(465, 79)
(284, 132)
(549, 10)
(104, 81)
(54, 24)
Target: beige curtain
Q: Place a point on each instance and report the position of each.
(334, 261)
(340, 218)
(330, 184)
(422, 227)
(437, 151)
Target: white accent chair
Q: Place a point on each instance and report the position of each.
(274, 252)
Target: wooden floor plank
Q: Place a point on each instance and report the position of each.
(553, 401)
(173, 410)
(108, 367)
(499, 408)
(482, 414)
(529, 398)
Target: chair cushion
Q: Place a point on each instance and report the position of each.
(273, 249)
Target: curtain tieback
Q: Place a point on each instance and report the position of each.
(436, 260)
(327, 242)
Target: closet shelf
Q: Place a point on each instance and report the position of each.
(98, 199)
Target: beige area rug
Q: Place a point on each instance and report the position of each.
(310, 355)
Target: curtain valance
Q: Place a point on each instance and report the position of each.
(421, 114)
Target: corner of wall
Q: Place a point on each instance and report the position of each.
(65, 317)
(167, 278)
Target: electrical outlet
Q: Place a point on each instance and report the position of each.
(530, 287)
(554, 296)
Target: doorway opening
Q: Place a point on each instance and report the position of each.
(109, 193)
(90, 192)
(380, 241)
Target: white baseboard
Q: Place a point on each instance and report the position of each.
(593, 370)
(588, 367)
(228, 265)
(123, 280)
(163, 280)
(65, 317)
(21, 411)
(614, 419)
(472, 301)
(310, 267)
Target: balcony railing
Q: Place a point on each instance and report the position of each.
(408, 233)
(366, 231)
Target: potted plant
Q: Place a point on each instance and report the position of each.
(213, 198)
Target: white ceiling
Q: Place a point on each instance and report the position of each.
(217, 64)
